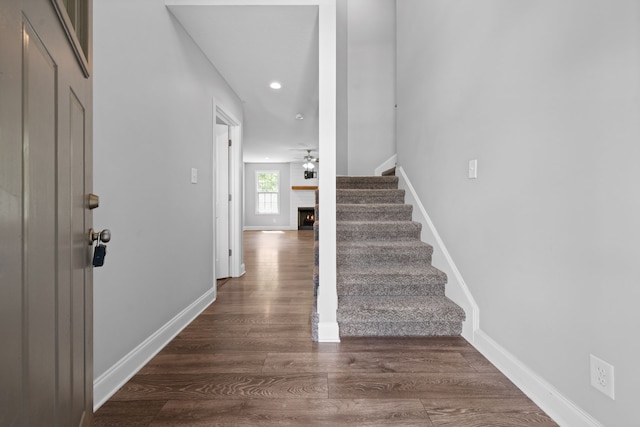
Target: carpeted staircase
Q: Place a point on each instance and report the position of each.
(385, 281)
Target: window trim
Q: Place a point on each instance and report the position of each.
(257, 198)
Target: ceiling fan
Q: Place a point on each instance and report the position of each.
(309, 161)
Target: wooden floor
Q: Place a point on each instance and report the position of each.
(248, 360)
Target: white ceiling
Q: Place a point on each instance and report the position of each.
(252, 46)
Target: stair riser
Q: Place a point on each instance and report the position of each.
(366, 182)
(364, 257)
(409, 329)
(365, 212)
(430, 276)
(378, 231)
(390, 289)
(357, 197)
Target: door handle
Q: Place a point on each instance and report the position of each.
(104, 236)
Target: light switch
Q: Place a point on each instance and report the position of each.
(473, 169)
(194, 175)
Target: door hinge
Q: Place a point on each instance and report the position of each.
(229, 143)
(229, 197)
(229, 252)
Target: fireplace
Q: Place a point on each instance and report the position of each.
(306, 218)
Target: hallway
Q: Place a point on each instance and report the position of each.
(248, 360)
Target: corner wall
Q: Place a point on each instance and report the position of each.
(545, 95)
(153, 122)
(366, 85)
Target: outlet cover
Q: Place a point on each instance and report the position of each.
(602, 377)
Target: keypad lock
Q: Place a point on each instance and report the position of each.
(100, 251)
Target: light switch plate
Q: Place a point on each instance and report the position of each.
(473, 169)
(194, 175)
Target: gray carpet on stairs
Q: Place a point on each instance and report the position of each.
(385, 281)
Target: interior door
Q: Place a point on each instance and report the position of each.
(222, 201)
(45, 177)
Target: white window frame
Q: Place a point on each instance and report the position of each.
(277, 193)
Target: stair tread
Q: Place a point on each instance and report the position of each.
(370, 196)
(361, 309)
(391, 280)
(369, 191)
(359, 207)
(376, 222)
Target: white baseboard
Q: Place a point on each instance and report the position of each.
(328, 332)
(562, 410)
(115, 377)
(460, 293)
(268, 228)
(548, 398)
(386, 165)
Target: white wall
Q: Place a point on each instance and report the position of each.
(153, 92)
(546, 96)
(253, 221)
(371, 95)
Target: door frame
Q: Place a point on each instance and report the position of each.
(236, 260)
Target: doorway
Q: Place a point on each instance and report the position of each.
(228, 253)
(223, 251)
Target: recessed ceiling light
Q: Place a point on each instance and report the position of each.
(299, 116)
(275, 85)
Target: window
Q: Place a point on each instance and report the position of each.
(75, 17)
(267, 189)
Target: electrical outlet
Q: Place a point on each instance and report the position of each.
(602, 377)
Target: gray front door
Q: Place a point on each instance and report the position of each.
(45, 177)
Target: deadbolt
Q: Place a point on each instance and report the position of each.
(94, 201)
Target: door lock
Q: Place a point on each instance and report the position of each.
(93, 201)
(100, 251)
(103, 236)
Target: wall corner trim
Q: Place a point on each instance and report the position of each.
(387, 164)
(115, 377)
(562, 410)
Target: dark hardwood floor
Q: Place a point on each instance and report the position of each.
(248, 360)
